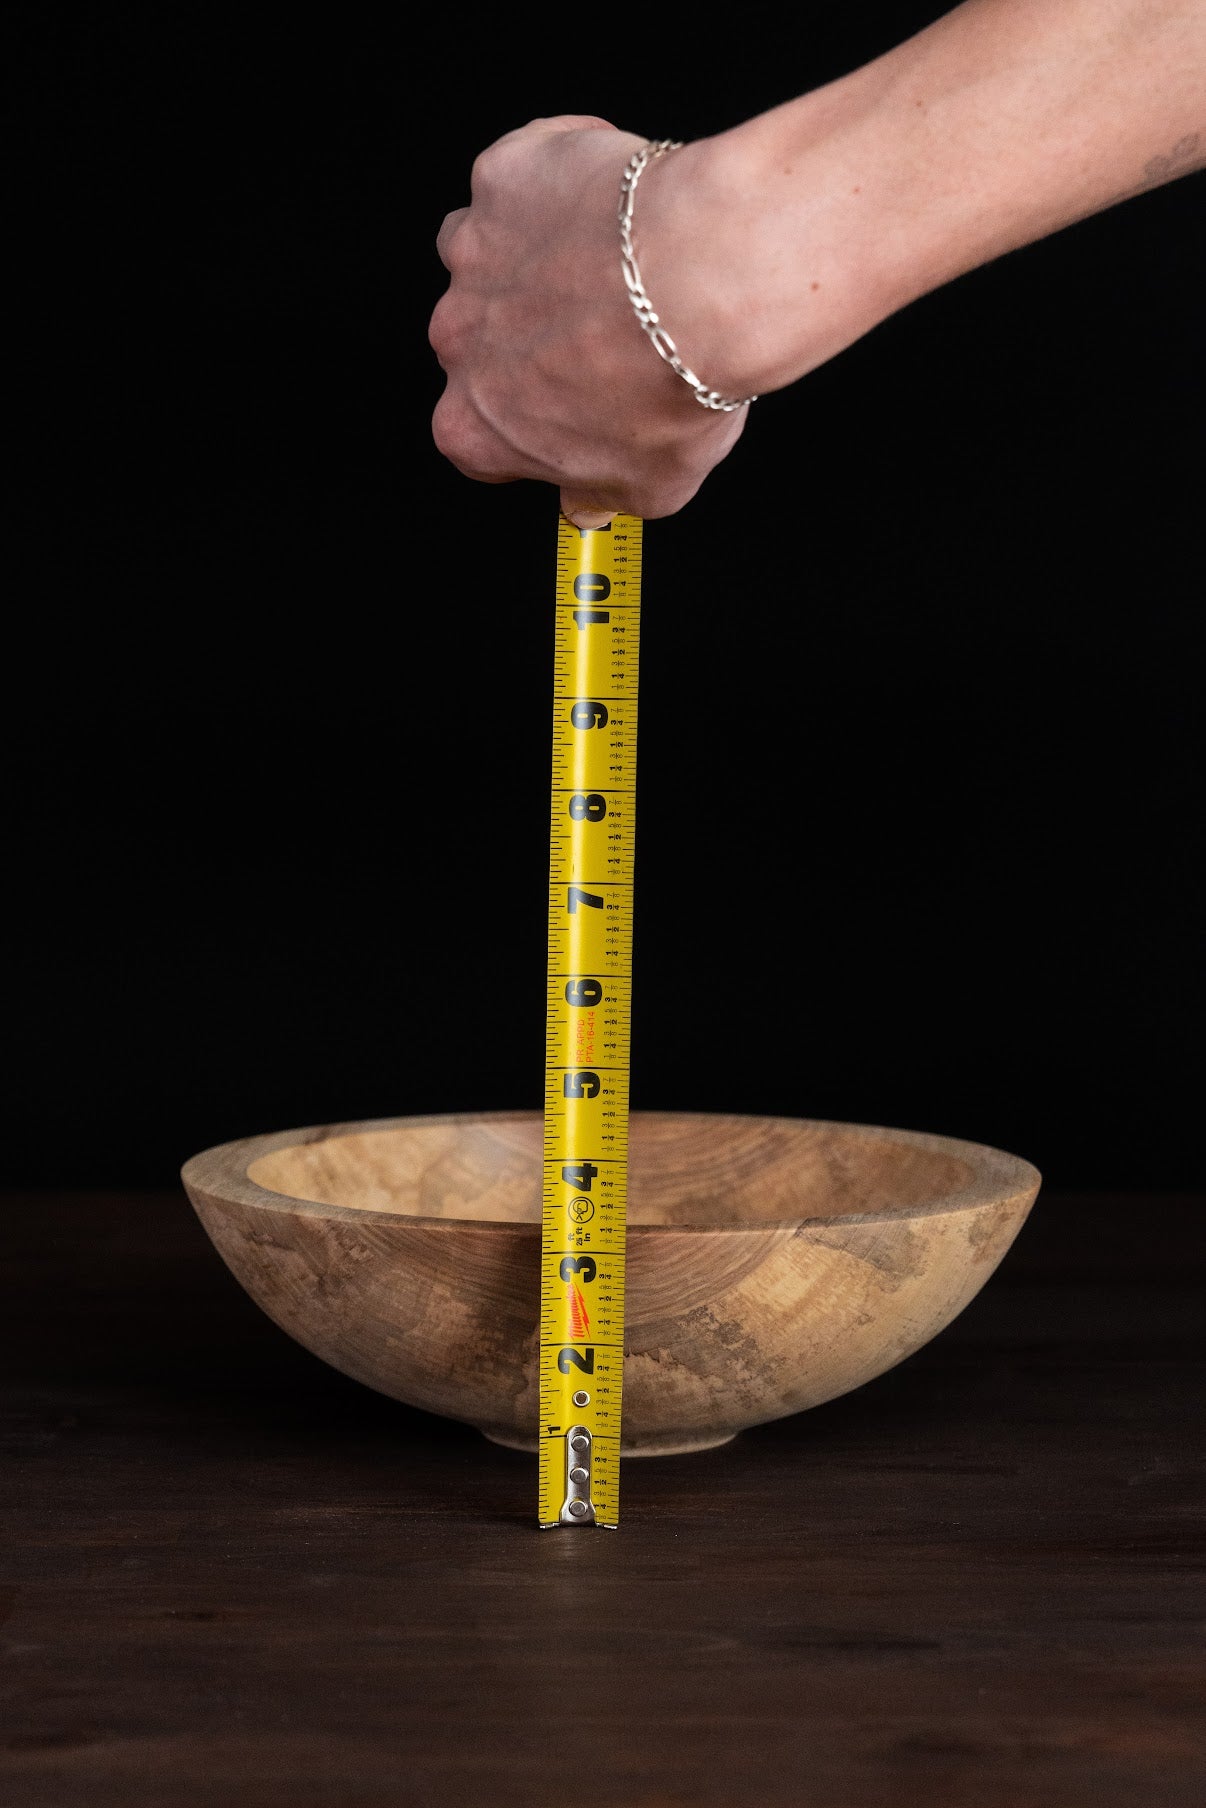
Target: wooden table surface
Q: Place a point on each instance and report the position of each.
(231, 1578)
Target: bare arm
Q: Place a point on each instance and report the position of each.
(769, 248)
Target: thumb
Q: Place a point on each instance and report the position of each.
(585, 513)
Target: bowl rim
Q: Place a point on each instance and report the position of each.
(221, 1172)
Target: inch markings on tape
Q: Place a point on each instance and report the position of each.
(592, 822)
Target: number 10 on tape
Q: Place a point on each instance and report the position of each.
(588, 1013)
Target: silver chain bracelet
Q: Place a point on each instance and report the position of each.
(643, 308)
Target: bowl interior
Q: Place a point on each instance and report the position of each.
(685, 1169)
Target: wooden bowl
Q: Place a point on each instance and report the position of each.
(773, 1263)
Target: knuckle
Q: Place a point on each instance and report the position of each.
(485, 169)
(458, 436)
(447, 429)
(444, 335)
(451, 231)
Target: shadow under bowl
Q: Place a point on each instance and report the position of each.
(772, 1263)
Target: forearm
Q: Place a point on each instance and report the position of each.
(997, 125)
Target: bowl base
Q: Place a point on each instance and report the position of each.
(667, 1446)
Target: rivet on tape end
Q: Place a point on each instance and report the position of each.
(577, 1507)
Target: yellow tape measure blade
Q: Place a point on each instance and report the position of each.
(592, 821)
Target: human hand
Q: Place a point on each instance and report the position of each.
(549, 375)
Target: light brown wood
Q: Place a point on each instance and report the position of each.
(773, 1263)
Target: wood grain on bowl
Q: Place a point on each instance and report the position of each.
(773, 1263)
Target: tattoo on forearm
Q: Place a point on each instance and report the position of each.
(1187, 155)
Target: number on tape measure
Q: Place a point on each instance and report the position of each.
(588, 1021)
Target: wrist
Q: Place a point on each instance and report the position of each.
(764, 248)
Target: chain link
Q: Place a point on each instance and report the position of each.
(642, 307)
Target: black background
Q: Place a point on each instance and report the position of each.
(920, 757)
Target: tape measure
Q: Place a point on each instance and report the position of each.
(588, 1021)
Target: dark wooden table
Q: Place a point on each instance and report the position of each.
(231, 1578)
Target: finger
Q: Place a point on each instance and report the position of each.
(447, 233)
(469, 443)
(585, 514)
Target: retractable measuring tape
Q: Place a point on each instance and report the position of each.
(588, 1017)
